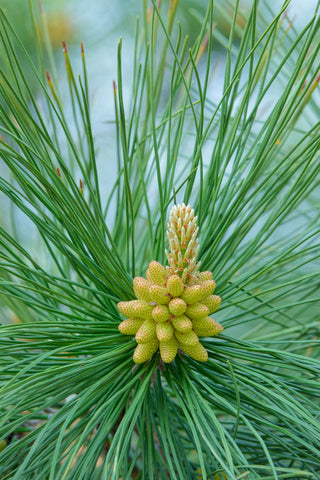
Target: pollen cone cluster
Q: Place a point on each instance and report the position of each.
(173, 303)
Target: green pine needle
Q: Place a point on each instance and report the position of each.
(73, 404)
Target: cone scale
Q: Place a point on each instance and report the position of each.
(173, 302)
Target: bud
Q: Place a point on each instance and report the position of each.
(175, 286)
(196, 311)
(130, 326)
(182, 236)
(164, 331)
(197, 352)
(206, 327)
(213, 303)
(168, 350)
(208, 287)
(156, 273)
(177, 306)
(146, 332)
(187, 338)
(127, 308)
(142, 309)
(159, 294)
(160, 313)
(144, 352)
(182, 324)
(141, 288)
(192, 294)
(203, 276)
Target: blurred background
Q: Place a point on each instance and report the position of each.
(100, 24)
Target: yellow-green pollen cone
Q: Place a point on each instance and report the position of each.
(174, 301)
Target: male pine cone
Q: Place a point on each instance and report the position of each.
(169, 315)
(174, 302)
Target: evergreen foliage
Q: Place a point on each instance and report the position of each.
(73, 404)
